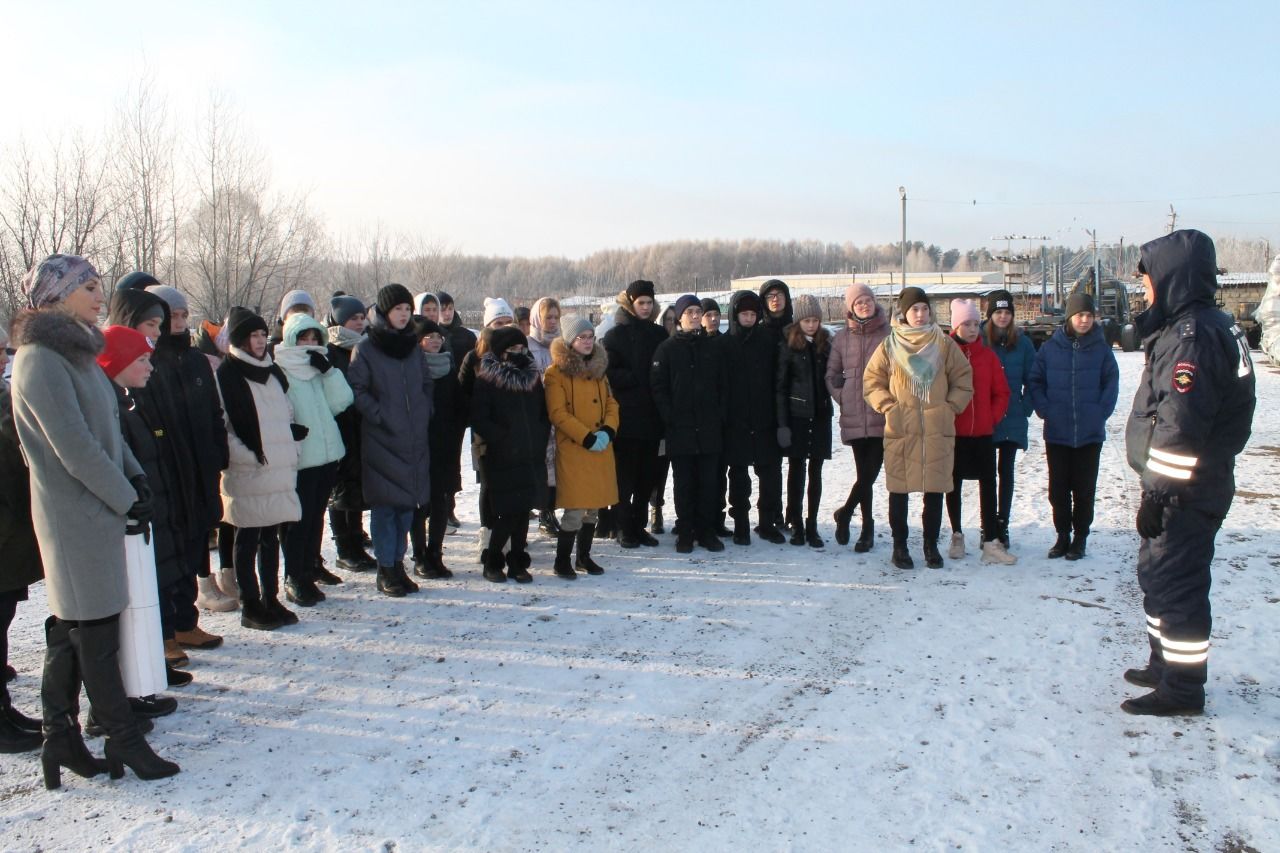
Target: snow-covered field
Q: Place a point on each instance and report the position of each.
(770, 698)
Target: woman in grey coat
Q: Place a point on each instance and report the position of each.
(84, 485)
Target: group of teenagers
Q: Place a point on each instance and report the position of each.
(153, 424)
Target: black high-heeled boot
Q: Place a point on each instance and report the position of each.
(64, 747)
(98, 644)
(60, 694)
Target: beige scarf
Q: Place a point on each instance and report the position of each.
(917, 351)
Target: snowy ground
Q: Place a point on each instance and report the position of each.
(771, 698)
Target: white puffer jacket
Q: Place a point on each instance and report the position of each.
(255, 495)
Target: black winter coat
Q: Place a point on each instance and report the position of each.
(803, 403)
(751, 433)
(631, 345)
(446, 463)
(461, 340)
(20, 565)
(690, 387)
(151, 447)
(509, 414)
(393, 393)
(348, 496)
(191, 413)
(1193, 411)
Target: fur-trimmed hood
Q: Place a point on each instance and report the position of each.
(506, 375)
(571, 363)
(64, 334)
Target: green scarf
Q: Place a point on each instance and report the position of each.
(917, 351)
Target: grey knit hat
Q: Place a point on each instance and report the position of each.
(572, 326)
(806, 306)
(171, 295)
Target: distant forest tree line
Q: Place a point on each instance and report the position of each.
(197, 207)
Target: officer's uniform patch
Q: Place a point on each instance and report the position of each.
(1184, 376)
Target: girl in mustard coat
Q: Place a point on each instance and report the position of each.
(585, 417)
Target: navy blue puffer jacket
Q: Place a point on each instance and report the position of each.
(1074, 384)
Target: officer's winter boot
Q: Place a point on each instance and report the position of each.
(901, 557)
(564, 549)
(1155, 705)
(932, 557)
(1149, 675)
(1076, 550)
(583, 560)
(1060, 547)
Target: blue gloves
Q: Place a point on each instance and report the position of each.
(601, 441)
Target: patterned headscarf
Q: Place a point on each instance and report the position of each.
(55, 277)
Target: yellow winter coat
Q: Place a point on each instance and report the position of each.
(919, 437)
(579, 402)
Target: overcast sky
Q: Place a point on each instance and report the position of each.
(561, 128)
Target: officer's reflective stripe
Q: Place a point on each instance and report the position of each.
(1153, 620)
(1174, 458)
(1180, 657)
(1184, 651)
(1153, 626)
(1167, 470)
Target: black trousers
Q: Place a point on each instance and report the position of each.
(868, 459)
(636, 461)
(1073, 482)
(796, 491)
(8, 608)
(658, 494)
(975, 455)
(1174, 575)
(257, 558)
(347, 527)
(430, 523)
(1006, 457)
(226, 545)
(769, 499)
(302, 538)
(178, 610)
(513, 527)
(930, 518)
(697, 506)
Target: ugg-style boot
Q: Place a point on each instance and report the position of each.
(994, 552)
(209, 597)
(956, 550)
(227, 582)
(583, 559)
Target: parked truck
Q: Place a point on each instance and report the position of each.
(1115, 315)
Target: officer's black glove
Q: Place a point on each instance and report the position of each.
(1150, 517)
(141, 511)
(318, 361)
(299, 431)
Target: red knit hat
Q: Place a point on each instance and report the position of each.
(124, 345)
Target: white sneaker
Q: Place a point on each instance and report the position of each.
(228, 584)
(209, 597)
(956, 551)
(994, 552)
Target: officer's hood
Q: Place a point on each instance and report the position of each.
(1184, 268)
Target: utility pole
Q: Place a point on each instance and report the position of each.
(1097, 271)
(902, 191)
(1173, 219)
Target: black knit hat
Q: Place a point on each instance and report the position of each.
(684, 303)
(444, 297)
(391, 296)
(998, 300)
(745, 300)
(639, 288)
(343, 308)
(423, 327)
(910, 296)
(522, 314)
(504, 338)
(709, 304)
(1076, 303)
(138, 280)
(241, 323)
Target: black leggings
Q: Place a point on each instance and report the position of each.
(868, 459)
(975, 455)
(8, 608)
(796, 492)
(302, 538)
(1007, 456)
(226, 545)
(429, 526)
(257, 557)
(930, 519)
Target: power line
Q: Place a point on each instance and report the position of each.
(1095, 202)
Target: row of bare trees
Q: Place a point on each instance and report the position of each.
(192, 201)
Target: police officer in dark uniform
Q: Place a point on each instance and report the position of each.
(1191, 415)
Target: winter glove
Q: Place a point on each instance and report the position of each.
(318, 361)
(299, 431)
(1150, 517)
(141, 511)
(590, 441)
(784, 437)
(602, 441)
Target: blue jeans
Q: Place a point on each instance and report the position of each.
(389, 529)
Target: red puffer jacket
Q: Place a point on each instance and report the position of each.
(990, 391)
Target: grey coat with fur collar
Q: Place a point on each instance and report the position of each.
(68, 422)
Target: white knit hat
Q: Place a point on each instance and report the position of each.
(495, 308)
